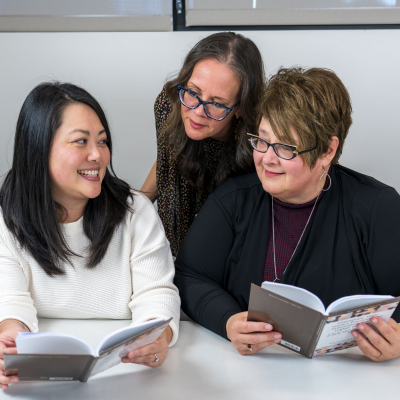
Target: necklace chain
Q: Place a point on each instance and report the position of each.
(273, 235)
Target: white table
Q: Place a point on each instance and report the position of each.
(204, 366)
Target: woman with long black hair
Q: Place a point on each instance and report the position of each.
(202, 117)
(76, 241)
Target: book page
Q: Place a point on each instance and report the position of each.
(336, 334)
(51, 343)
(297, 294)
(355, 301)
(123, 334)
(110, 358)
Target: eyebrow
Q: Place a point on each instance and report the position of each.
(85, 132)
(213, 97)
(263, 132)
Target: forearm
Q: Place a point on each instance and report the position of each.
(149, 188)
(206, 302)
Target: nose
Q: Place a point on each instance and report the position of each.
(199, 111)
(270, 156)
(94, 153)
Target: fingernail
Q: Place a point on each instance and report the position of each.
(277, 336)
(131, 354)
(14, 379)
(268, 327)
(362, 327)
(277, 340)
(354, 333)
(374, 320)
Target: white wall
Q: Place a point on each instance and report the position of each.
(126, 71)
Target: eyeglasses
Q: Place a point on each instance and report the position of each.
(285, 151)
(213, 110)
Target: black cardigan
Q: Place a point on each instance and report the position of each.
(350, 247)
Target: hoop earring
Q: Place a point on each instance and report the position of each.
(330, 181)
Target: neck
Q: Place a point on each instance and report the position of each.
(307, 195)
(70, 211)
(224, 134)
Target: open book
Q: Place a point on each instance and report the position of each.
(306, 326)
(56, 357)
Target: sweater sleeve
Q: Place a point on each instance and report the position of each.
(201, 268)
(15, 299)
(152, 269)
(383, 243)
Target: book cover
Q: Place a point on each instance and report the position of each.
(310, 330)
(54, 357)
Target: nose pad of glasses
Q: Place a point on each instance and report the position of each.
(270, 153)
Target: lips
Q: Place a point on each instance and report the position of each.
(89, 174)
(194, 125)
(271, 174)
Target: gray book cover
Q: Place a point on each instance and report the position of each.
(312, 332)
(80, 367)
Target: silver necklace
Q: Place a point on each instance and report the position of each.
(273, 235)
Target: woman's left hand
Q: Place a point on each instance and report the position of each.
(379, 347)
(146, 355)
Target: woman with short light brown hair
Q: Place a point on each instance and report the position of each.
(301, 219)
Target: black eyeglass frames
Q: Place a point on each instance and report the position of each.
(213, 110)
(285, 151)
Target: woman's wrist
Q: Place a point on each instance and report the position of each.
(13, 323)
(170, 334)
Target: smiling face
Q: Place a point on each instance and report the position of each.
(211, 81)
(291, 181)
(78, 158)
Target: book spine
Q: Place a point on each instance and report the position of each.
(315, 337)
(88, 369)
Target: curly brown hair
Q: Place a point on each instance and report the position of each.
(313, 103)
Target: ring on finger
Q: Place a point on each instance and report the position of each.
(250, 347)
(157, 359)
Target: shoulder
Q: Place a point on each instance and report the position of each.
(143, 218)
(242, 186)
(365, 192)
(351, 177)
(8, 242)
(239, 194)
(162, 109)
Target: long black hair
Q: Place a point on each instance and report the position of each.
(29, 209)
(245, 60)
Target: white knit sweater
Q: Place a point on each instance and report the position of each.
(133, 281)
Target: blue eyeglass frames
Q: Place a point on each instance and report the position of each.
(213, 110)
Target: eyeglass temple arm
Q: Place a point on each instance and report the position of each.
(305, 151)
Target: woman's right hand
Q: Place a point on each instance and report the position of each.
(246, 335)
(9, 330)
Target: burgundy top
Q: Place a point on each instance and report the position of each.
(290, 221)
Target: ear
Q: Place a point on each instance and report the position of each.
(331, 152)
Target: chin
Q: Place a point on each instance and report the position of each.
(92, 194)
(271, 189)
(195, 134)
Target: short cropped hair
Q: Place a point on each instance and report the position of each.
(312, 102)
